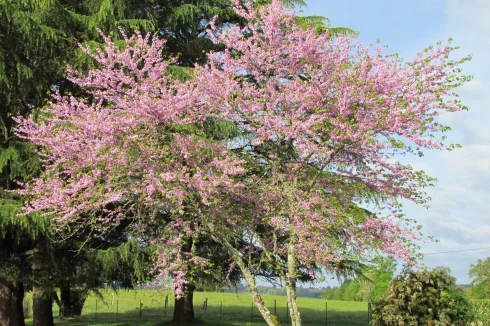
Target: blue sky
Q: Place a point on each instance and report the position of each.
(459, 216)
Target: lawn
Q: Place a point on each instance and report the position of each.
(225, 309)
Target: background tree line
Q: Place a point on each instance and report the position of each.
(373, 283)
(370, 285)
(480, 279)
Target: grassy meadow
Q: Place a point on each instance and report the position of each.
(224, 309)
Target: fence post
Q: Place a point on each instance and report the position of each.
(141, 306)
(166, 304)
(326, 313)
(95, 314)
(369, 313)
(117, 307)
(206, 304)
(221, 312)
(275, 310)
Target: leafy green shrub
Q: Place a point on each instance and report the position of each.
(481, 310)
(429, 297)
(460, 308)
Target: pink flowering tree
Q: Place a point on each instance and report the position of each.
(135, 147)
(327, 119)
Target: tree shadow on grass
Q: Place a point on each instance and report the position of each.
(215, 316)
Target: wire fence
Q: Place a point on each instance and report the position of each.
(219, 311)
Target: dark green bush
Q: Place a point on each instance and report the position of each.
(428, 297)
(459, 306)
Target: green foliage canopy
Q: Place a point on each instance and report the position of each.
(371, 284)
(480, 279)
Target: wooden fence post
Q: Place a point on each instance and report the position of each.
(326, 313)
(369, 313)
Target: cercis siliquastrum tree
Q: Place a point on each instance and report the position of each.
(334, 114)
(321, 117)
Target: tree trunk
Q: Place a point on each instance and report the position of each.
(42, 295)
(291, 286)
(293, 304)
(19, 299)
(65, 300)
(42, 308)
(11, 297)
(184, 307)
(269, 318)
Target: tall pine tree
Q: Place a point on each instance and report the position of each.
(37, 40)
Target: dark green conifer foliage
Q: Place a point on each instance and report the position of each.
(38, 38)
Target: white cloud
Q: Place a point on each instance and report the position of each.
(473, 12)
(471, 162)
(475, 87)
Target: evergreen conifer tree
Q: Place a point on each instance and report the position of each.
(37, 40)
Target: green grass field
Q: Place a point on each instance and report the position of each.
(236, 310)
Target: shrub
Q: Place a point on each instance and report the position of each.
(428, 297)
(459, 307)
